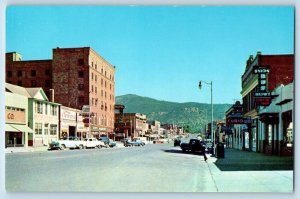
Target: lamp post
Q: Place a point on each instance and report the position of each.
(212, 108)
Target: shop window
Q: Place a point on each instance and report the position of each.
(46, 128)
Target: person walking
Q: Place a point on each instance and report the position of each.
(203, 151)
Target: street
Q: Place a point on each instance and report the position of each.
(152, 168)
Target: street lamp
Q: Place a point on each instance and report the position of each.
(212, 108)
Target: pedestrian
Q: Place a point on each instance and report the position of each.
(203, 152)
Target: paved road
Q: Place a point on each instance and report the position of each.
(153, 168)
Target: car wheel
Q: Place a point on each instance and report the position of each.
(81, 147)
(63, 146)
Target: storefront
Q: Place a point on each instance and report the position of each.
(17, 133)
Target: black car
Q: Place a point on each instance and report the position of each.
(193, 145)
(177, 142)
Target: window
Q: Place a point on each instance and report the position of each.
(20, 73)
(96, 66)
(80, 87)
(47, 72)
(101, 82)
(33, 83)
(33, 73)
(95, 89)
(47, 83)
(80, 74)
(39, 107)
(46, 109)
(38, 128)
(92, 76)
(80, 62)
(46, 128)
(81, 99)
(95, 78)
(53, 129)
(9, 73)
(92, 88)
(53, 110)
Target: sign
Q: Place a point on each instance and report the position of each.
(262, 96)
(243, 120)
(68, 115)
(86, 109)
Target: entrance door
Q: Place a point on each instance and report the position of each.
(71, 131)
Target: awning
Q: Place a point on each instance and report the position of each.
(17, 128)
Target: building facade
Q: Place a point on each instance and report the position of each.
(73, 78)
(35, 118)
(281, 71)
(17, 132)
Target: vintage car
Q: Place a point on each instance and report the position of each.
(132, 143)
(193, 145)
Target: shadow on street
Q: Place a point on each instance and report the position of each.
(180, 152)
(237, 160)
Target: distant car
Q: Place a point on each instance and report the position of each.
(177, 142)
(132, 143)
(139, 141)
(112, 143)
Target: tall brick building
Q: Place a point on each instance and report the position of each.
(281, 71)
(78, 76)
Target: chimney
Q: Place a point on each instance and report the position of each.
(52, 94)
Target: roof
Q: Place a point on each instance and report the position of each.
(28, 92)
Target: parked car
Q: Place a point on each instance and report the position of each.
(193, 145)
(177, 142)
(71, 143)
(107, 142)
(132, 143)
(92, 143)
(139, 141)
(54, 145)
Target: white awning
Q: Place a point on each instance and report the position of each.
(17, 128)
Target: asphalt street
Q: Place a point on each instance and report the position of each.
(152, 168)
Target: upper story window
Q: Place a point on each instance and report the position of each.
(53, 110)
(80, 74)
(20, 73)
(47, 72)
(9, 73)
(33, 83)
(38, 107)
(33, 73)
(80, 87)
(80, 62)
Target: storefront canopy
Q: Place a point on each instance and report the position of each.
(17, 128)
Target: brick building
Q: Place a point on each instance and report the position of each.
(281, 71)
(76, 77)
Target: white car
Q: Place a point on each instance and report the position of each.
(92, 143)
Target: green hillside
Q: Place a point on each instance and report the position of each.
(196, 115)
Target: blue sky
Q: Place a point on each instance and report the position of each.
(159, 52)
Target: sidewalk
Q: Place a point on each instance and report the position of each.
(25, 149)
(244, 171)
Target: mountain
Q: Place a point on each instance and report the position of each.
(195, 115)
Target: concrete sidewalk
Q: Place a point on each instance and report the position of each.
(243, 171)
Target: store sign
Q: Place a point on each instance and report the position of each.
(67, 115)
(262, 97)
(243, 120)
